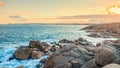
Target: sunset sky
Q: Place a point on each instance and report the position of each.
(59, 11)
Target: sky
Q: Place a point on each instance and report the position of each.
(59, 11)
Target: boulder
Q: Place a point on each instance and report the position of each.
(112, 66)
(23, 53)
(77, 63)
(90, 64)
(32, 44)
(38, 44)
(57, 62)
(67, 47)
(38, 65)
(104, 56)
(36, 54)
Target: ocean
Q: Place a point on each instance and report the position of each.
(13, 36)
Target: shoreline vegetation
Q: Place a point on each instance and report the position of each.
(78, 53)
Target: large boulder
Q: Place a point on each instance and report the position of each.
(67, 47)
(42, 46)
(23, 53)
(36, 54)
(112, 66)
(58, 62)
(104, 56)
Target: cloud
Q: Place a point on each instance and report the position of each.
(89, 16)
(102, 18)
(1, 3)
(18, 17)
(14, 16)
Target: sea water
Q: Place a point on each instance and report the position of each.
(13, 36)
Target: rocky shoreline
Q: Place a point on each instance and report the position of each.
(72, 54)
(105, 30)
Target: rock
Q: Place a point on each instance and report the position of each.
(94, 35)
(36, 54)
(77, 63)
(117, 61)
(81, 41)
(23, 53)
(32, 44)
(90, 64)
(43, 46)
(11, 58)
(40, 45)
(20, 67)
(38, 66)
(65, 65)
(67, 47)
(43, 60)
(112, 66)
(65, 41)
(104, 56)
(60, 60)
(107, 42)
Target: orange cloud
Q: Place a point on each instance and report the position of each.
(1, 3)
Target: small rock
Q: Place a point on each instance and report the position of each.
(65, 41)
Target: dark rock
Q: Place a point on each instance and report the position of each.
(36, 54)
(11, 58)
(65, 41)
(94, 35)
(38, 66)
(32, 44)
(43, 60)
(77, 63)
(90, 64)
(117, 61)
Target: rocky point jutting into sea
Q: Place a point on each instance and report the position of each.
(76, 53)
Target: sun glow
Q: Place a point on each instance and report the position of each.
(113, 10)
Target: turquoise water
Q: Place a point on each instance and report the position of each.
(12, 36)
